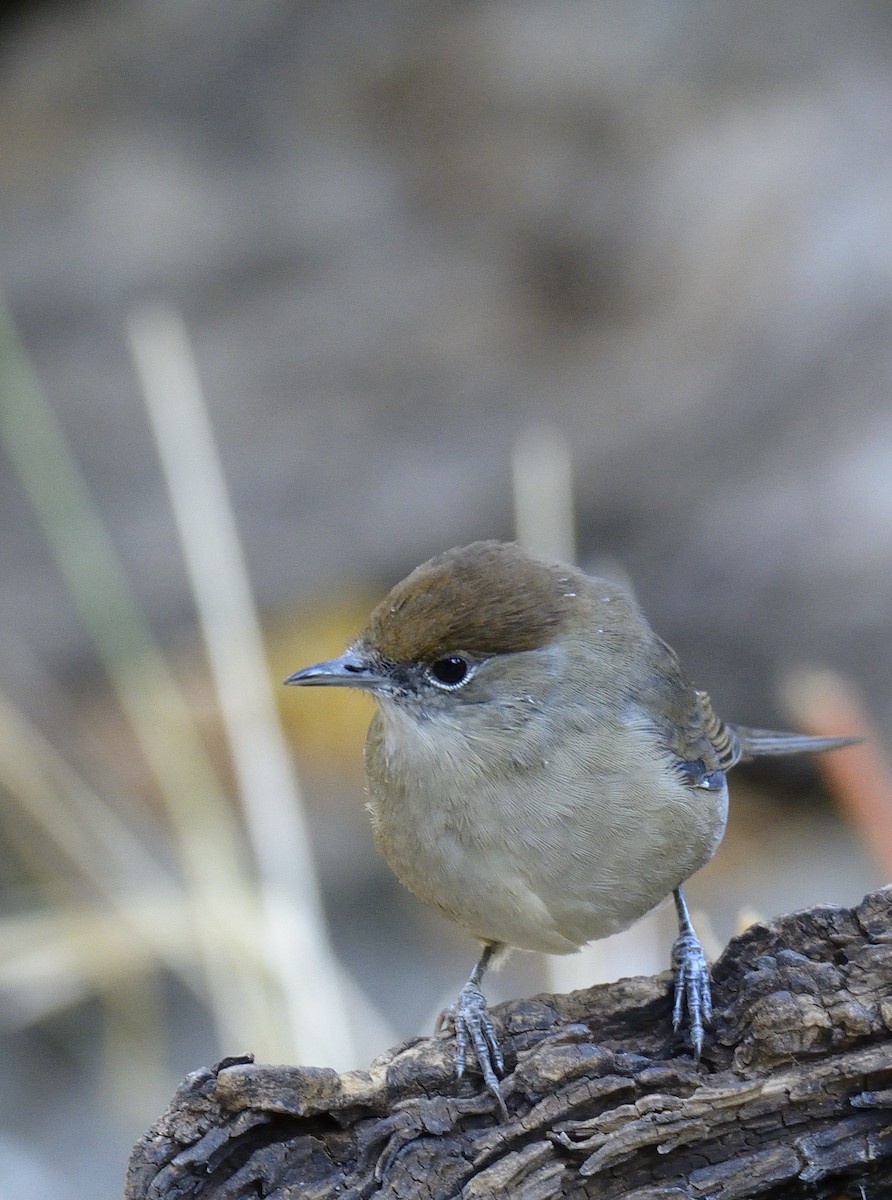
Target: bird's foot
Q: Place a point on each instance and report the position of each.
(474, 1028)
(693, 995)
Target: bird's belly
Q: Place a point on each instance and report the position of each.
(550, 868)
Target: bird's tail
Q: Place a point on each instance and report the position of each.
(761, 743)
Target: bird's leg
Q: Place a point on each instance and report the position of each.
(473, 1027)
(693, 997)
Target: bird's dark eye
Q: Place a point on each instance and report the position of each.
(449, 671)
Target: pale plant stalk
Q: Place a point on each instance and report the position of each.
(91, 835)
(54, 957)
(295, 938)
(206, 833)
(542, 480)
(87, 829)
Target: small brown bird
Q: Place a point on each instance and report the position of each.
(540, 769)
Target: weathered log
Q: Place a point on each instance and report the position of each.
(793, 1096)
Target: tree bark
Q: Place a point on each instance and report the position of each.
(793, 1097)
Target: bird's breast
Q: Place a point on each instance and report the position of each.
(541, 843)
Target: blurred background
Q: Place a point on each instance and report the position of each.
(298, 295)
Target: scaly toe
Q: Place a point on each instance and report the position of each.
(693, 996)
(474, 1027)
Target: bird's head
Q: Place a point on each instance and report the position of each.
(476, 624)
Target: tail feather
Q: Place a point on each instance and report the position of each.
(761, 743)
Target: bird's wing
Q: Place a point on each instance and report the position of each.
(700, 742)
(703, 745)
(710, 738)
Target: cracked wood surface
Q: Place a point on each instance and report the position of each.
(793, 1097)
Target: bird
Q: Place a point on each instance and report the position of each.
(540, 769)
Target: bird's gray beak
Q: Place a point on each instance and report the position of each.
(350, 670)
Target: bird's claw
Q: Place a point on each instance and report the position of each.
(474, 1028)
(693, 995)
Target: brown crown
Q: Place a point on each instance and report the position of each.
(486, 598)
